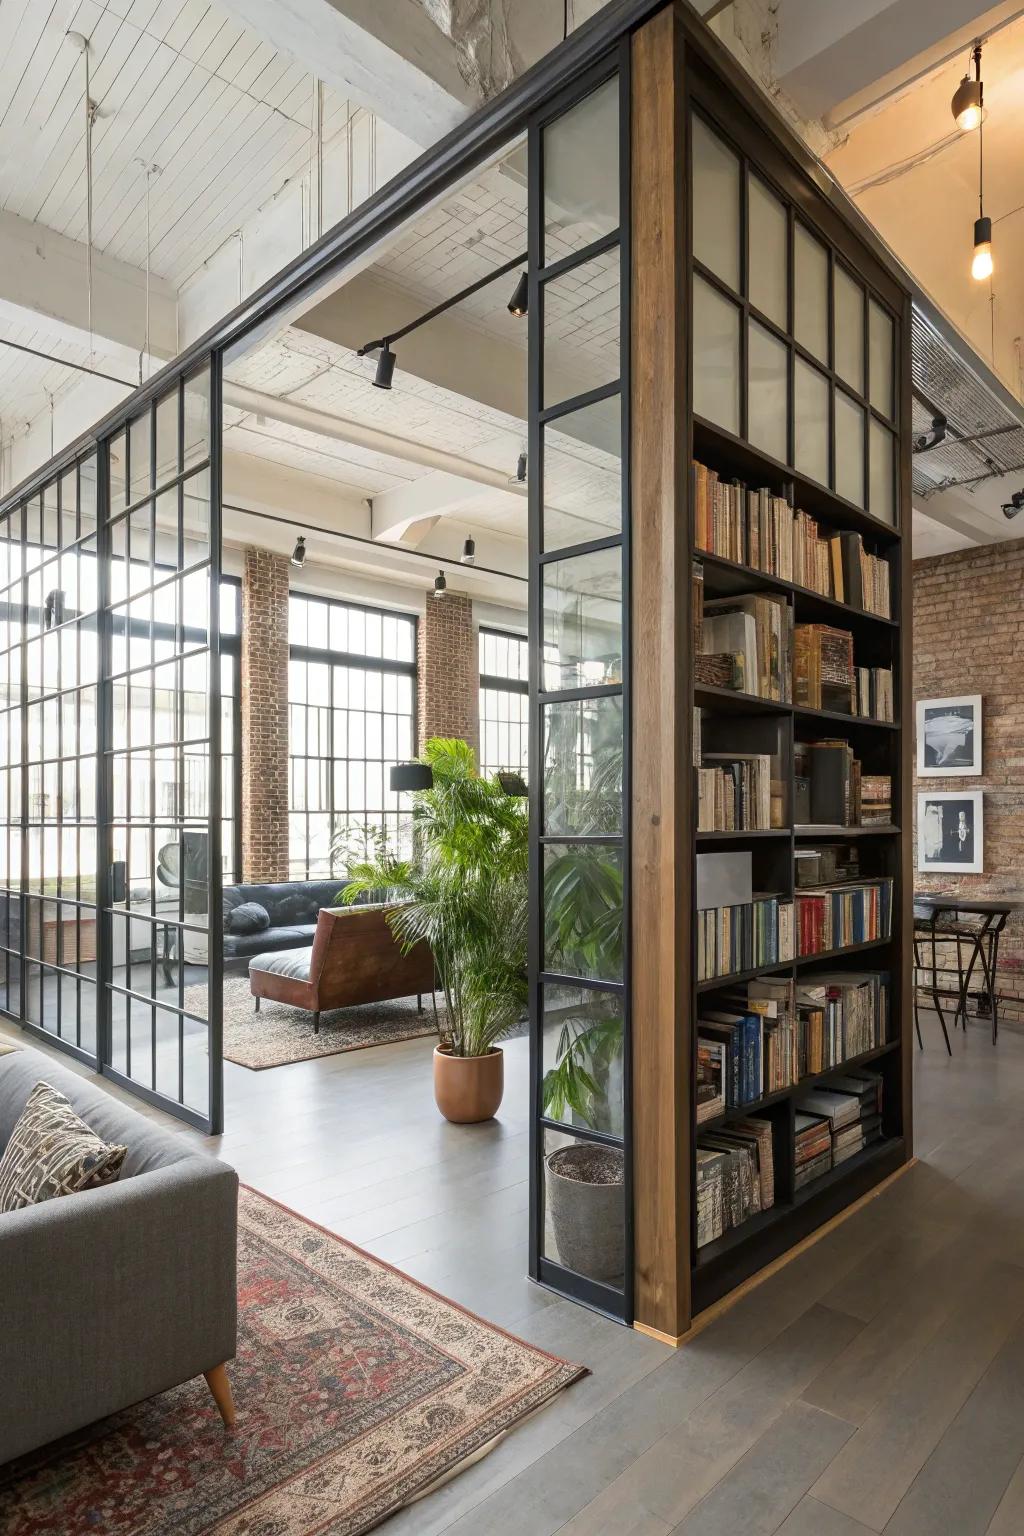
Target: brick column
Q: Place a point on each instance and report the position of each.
(449, 673)
(265, 716)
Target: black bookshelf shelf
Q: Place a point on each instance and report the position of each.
(731, 577)
(732, 701)
(741, 836)
(724, 451)
(739, 1237)
(846, 949)
(802, 712)
(715, 983)
(877, 1152)
(780, 1094)
(817, 831)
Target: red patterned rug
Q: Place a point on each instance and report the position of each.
(356, 1390)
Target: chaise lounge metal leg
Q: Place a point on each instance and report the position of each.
(419, 1002)
(257, 1008)
(316, 1021)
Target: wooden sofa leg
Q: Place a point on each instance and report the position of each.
(316, 1022)
(220, 1386)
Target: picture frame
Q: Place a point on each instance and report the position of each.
(950, 832)
(949, 737)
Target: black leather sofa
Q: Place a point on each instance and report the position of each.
(292, 906)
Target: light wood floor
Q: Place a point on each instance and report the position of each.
(876, 1383)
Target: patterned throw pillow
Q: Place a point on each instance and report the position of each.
(53, 1152)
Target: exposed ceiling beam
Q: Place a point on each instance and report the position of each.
(440, 494)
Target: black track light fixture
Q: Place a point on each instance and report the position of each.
(1014, 505)
(469, 552)
(967, 103)
(299, 552)
(519, 478)
(385, 368)
(440, 585)
(519, 303)
(925, 440)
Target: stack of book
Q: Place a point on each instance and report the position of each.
(850, 1106)
(812, 1145)
(735, 1177)
(744, 937)
(823, 671)
(839, 1017)
(828, 787)
(875, 800)
(746, 1048)
(756, 631)
(739, 791)
(753, 527)
(840, 915)
(826, 864)
(874, 693)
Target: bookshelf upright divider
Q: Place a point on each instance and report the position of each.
(773, 986)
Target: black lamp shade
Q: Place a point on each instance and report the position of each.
(519, 303)
(385, 369)
(512, 783)
(440, 584)
(299, 552)
(411, 776)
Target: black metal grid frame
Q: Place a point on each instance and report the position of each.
(330, 658)
(702, 95)
(597, 1294)
(497, 683)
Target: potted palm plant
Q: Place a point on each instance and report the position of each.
(461, 889)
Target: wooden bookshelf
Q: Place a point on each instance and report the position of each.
(674, 274)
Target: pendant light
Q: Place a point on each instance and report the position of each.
(299, 552)
(519, 303)
(385, 368)
(440, 585)
(967, 104)
(469, 552)
(981, 262)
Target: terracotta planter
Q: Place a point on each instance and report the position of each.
(468, 1089)
(585, 1207)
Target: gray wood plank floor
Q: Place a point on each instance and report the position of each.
(874, 1384)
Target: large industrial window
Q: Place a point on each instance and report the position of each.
(504, 701)
(351, 718)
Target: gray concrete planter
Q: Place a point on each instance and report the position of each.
(585, 1205)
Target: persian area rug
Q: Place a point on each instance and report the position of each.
(356, 1390)
(279, 1034)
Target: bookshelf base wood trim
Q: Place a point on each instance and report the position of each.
(715, 1309)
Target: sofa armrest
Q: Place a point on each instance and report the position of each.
(114, 1294)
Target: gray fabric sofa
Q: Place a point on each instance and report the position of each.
(114, 1294)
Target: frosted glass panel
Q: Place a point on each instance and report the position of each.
(581, 329)
(583, 475)
(880, 353)
(849, 449)
(810, 293)
(716, 204)
(581, 173)
(766, 226)
(810, 420)
(849, 322)
(716, 357)
(766, 400)
(882, 488)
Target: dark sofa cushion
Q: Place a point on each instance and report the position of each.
(248, 917)
(239, 946)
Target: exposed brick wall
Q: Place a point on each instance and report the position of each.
(265, 716)
(449, 673)
(969, 638)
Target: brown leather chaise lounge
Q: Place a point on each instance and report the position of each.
(353, 959)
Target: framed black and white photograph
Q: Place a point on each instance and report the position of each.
(949, 736)
(950, 832)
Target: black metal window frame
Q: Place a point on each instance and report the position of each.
(837, 385)
(591, 1292)
(499, 684)
(328, 657)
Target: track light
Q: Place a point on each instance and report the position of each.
(385, 368)
(932, 439)
(299, 552)
(519, 303)
(519, 478)
(967, 103)
(1014, 505)
(981, 263)
(440, 585)
(469, 552)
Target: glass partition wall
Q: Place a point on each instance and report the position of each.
(111, 767)
(579, 692)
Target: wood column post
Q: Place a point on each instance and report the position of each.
(661, 693)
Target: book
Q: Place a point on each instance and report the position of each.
(741, 937)
(823, 671)
(758, 628)
(738, 791)
(838, 916)
(711, 1078)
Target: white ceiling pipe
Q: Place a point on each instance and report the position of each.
(309, 419)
